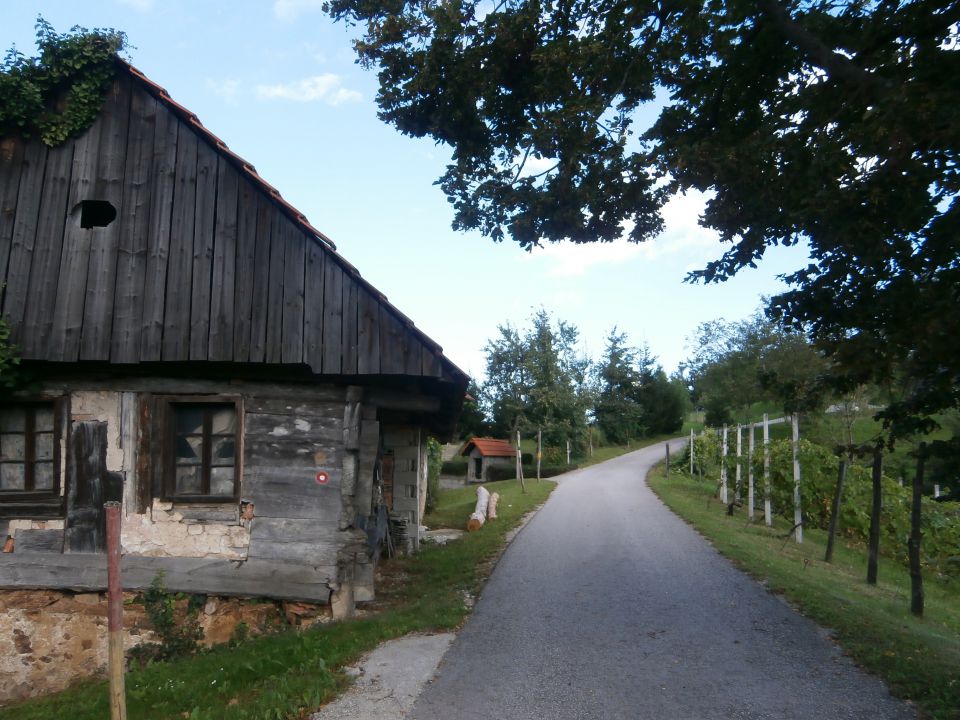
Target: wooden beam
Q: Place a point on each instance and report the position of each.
(87, 572)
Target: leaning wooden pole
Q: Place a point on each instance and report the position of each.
(835, 511)
(916, 573)
(523, 486)
(767, 509)
(797, 510)
(723, 467)
(750, 492)
(738, 485)
(873, 545)
(118, 702)
(539, 450)
(691, 452)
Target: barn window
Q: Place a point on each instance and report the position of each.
(96, 213)
(29, 451)
(201, 452)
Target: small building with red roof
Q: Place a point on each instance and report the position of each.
(485, 453)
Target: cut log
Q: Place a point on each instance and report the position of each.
(492, 506)
(479, 515)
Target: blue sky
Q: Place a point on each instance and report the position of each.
(277, 81)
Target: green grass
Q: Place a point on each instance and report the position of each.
(292, 673)
(919, 658)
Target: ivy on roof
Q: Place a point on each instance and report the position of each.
(58, 94)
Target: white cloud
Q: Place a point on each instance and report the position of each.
(141, 5)
(292, 9)
(226, 89)
(326, 87)
(683, 235)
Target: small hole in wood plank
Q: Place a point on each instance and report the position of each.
(96, 213)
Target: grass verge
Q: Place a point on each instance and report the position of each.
(290, 674)
(918, 657)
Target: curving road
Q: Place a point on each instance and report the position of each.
(608, 606)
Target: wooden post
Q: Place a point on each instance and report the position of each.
(568, 452)
(590, 436)
(913, 546)
(723, 468)
(666, 470)
(767, 510)
(873, 544)
(118, 702)
(936, 490)
(738, 485)
(750, 476)
(835, 511)
(797, 510)
(691, 452)
(539, 451)
(523, 486)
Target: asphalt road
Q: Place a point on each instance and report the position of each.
(608, 606)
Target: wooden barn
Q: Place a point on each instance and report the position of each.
(193, 347)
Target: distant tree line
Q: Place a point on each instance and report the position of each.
(539, 379)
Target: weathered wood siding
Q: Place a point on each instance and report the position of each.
(202, 263)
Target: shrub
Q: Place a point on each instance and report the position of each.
(456, 466)
(175, 621)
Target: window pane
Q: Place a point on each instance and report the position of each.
(11, 447)
(189, 418)
(43, 446)
(188, 480)
(223, 449)
(189, 450)
(12, 420)
(43, 419)
(11, 477)
(43, 476)
(224, 420)
(221, 481)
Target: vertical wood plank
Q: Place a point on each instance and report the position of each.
(350, 340)
(431, 365)
(225, 251)
(64, 344)
(23, 236)
(202, 268)
(411, 345)
(391, 343)
(261, 280)
(104, 241)
(134, 227)
(162, 190)
(45, 268)
(332, 317)
(244, 270)
(11, 169)
(368, 332)
(176, 315)
(293, 295)
(278, 247)
(313, 307)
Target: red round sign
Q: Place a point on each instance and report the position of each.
(323, 478)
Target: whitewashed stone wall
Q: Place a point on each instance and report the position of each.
(164, 532)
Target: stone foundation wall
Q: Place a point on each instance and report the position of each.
(49, 639)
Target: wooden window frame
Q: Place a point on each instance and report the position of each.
(168, 436)
(29, 460)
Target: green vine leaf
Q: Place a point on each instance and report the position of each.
(58, 94)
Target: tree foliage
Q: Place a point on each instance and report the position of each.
(634, 396)
(537, 379)
(736, 364)
(827, 122)
(59, 93)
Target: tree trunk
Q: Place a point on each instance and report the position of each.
(835, 511)
(874, 542)
(916, 575)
